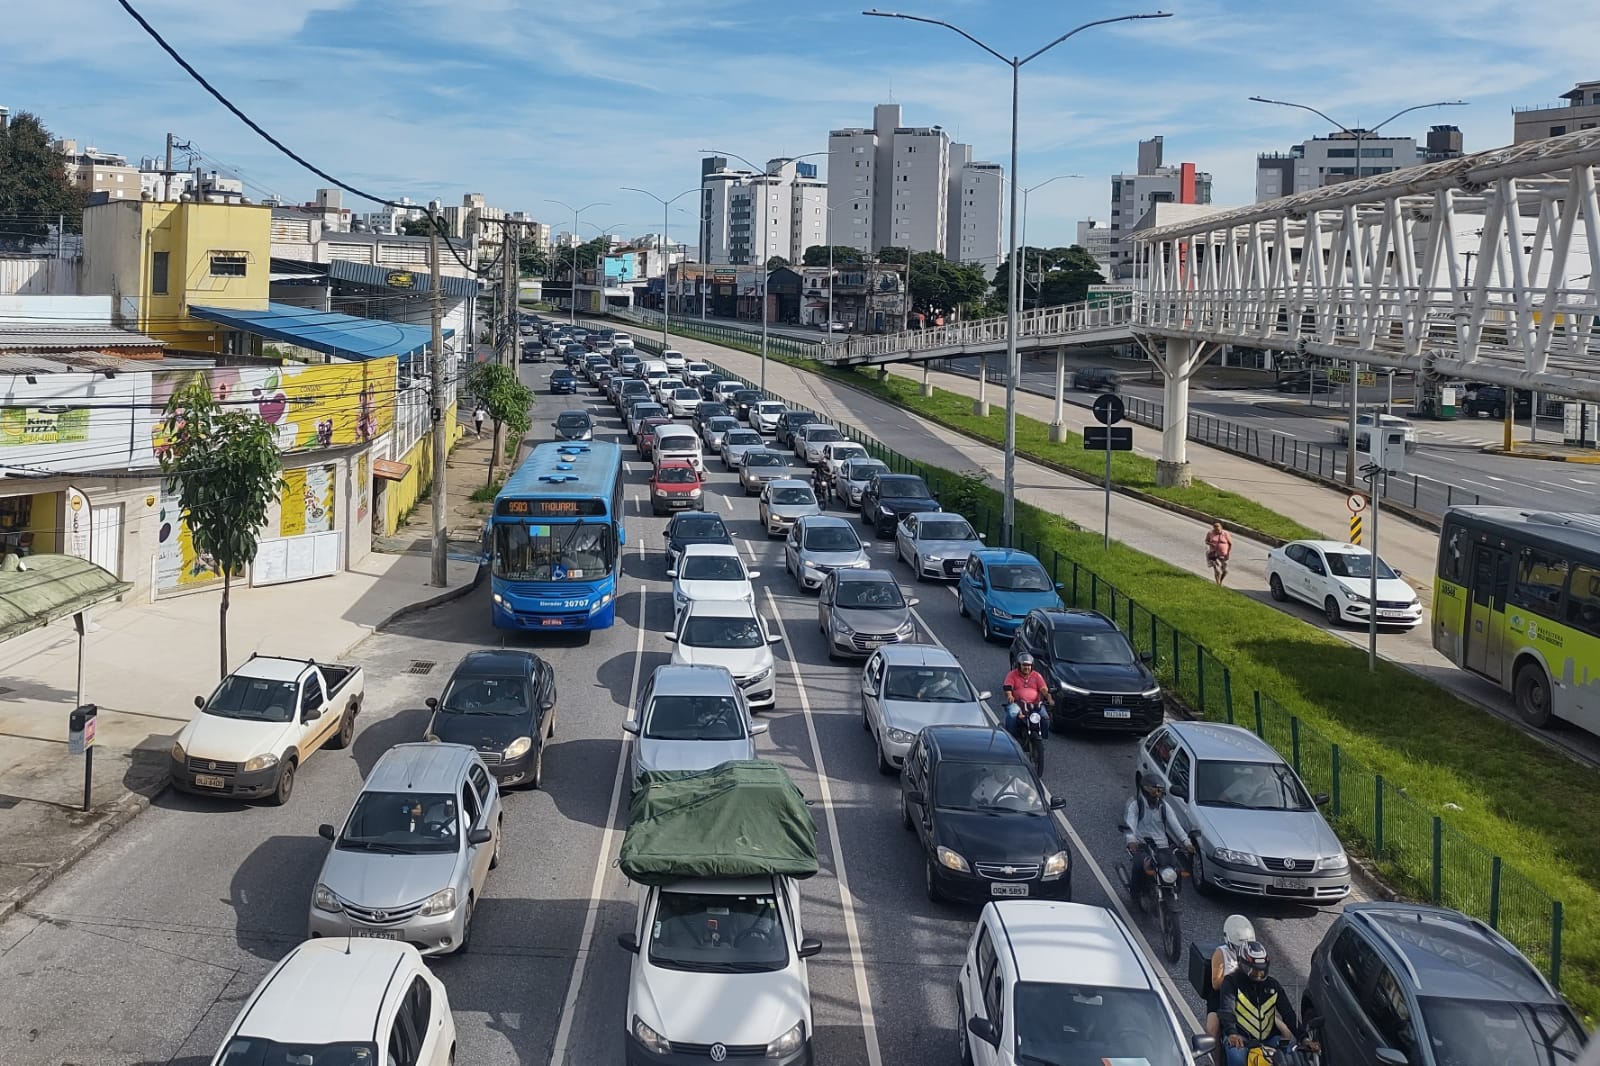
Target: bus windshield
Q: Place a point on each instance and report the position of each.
(578, 551)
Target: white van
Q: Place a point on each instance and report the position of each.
(678, 442)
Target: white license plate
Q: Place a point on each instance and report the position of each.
(1008, 890)
(1391, 614)
(375, 934)
(210, 781)
(1288, 882)
(873, 643)
(1113, 712)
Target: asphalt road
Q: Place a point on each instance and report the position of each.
(144, 952)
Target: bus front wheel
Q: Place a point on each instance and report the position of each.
(1532, 691)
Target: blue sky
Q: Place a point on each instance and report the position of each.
(525, 100)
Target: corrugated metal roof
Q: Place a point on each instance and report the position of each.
(73, 337)
(78, 362)
(339, 335)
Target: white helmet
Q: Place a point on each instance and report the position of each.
(1237, 930)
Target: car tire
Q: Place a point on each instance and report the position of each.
(866, 516)
(1202, 883)
(885, 767)
(916, 567)
(1275, 586)
(466, 928)
(1330, 611)
(1495, 412)
(536, 779)
(932, 886)
(1532, 692)
(285, 787)
(985, 628)
(961, 605)
(905, 815)
(347, 730)
(499, 835)
(961, 1031)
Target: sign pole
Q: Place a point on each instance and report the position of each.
(1372, 591)
(1105, 542)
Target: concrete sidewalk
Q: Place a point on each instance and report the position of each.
(145, 662)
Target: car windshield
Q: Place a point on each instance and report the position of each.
(1256, 786)
(822, 436)
(863, 470)
(793, 495)
(715, 933)
(678, 442)
(709, 632)
(722, 423)
(712, 568)
(254, 699)
(1099, 647)
(1357, 565)
(709, 411)
(641, 411)
(1064, 1025)
(945, 529)
(765, 459)
(699, 527)
(747, 396)
(1019, 577)
(685, 394)
(676, 475)
(578, 551)
(1482, 1032)
(406, 823)
(741, 436)
(572, 421)
(770, 407)
(832, 538)
(259, 1051)
(486, 695)
(693, 718)
(977, 786)
(907, 488)
(869, 595)
(927, 684)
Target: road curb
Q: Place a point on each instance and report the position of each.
(122, 812)
(1548, 457)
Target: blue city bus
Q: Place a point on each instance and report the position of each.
(555, 539)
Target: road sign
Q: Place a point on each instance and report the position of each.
(1356, 502)
(1341, 376)
(1355, 529)
(1108, 438)
(1108, 409)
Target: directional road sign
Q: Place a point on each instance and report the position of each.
(1108, 438)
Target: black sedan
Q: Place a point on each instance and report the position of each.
(572, 353)
(503, 703)
(987, 827)
(788, 423)
(742, 401)
(890, 497)
(708, 410)
(574, 425)
(563, 382)
(1097, 678)
(693, 527)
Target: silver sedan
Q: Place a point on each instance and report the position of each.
(818, 545)
(907, 687)
(935, 544)
(859, 611)
(760, 467)
(737, 443)
(853, 478)
(714, 429)
(785, 501)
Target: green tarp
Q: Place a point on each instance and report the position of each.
(741, 819)
(52, 587)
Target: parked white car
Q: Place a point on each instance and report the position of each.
(710, 572)
(1337, 580)
(731, 634)
(1365, 422)
(328, 998)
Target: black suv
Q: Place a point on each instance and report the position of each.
(1098, 679)
(1491, 400)
(983, 818)
(788, 423)
(1398, 983)
(890, 497)
(742, 401)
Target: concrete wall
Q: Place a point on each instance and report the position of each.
(399, 497)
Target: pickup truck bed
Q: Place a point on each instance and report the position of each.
(337, 677)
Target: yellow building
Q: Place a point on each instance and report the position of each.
(157, 259)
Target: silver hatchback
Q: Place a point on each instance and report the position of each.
(785, 501)
(853, 478)
(414, 851)
(760, 467)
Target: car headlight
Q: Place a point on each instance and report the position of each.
(861, 564)
(1352, 595)
(260, 762)
(1055, 866)
(693, 493)
(998, 613)
(839, 627)
(788, 1043)
(1237, 858)
(1071, 690)
(760, 675)
(517, 748)
(885, 511)
(601, 602)
(441, 902)
(907, 631)
(901, 736)
(1151, 693)
(324, 900)
(1336, 861)
(950, 859)
(177, 752)
(652, 1040)
(809, 565)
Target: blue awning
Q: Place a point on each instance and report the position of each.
(343, 336)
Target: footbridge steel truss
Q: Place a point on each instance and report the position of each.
(1099, 323)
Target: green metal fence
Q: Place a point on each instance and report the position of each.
(1413, 847)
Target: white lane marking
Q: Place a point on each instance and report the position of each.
(727, 501)
(1579, 481)
(749, 550)
(602, 863)
(858, 966)
(1491, 477)
(1094, 867)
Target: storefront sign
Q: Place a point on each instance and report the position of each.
(43, 425)
(79, 536)
(178, 565)
(400, 279)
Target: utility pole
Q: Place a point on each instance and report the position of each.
(509, 253)
(441, 434)
(166, 174)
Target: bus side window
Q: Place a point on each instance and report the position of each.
(1583, 600)
(1540, 577)
(1453, 559)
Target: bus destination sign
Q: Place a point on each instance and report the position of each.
(548, 508)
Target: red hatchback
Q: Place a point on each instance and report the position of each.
(676, 486)
(646, 438)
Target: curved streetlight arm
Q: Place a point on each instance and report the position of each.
(1418, 107)
(957, 29)
(657, 199)
(1090, 25)
(577, 210)
(1307, 107)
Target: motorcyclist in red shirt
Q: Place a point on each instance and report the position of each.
(1025, 687)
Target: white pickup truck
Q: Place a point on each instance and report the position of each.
(262, 722)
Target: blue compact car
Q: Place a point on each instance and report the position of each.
(999, 586)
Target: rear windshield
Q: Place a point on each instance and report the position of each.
(742, 436)
(765, 459)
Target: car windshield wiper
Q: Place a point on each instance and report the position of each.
(377, 845)
(1036, 1060)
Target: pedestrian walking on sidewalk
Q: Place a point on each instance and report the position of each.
(1218, 547)
(478, 415)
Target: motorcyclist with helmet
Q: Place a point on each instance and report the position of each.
(1253, 1008)
(1236, 933)
(1025, 688)
(821, 483)
(1149, 822)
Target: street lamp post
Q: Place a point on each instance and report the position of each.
(766, 172)
(1360, 135)
(576, 211)
(1016, 64)
(665, 204)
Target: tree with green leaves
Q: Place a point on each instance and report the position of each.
(34, 188)
(506, 399)
(777, 261)
(560, 259)
(416, 227)
(817, 255)
(533, 262)
(1051, 277)
(226, 469)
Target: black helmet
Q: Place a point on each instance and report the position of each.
(1254, 962)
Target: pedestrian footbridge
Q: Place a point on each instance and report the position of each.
(1086, 324)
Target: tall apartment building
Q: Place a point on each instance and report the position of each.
(747, 218)
(1325, 160)
(1096, 238)
(1132, 195)
(1444, 142)
(973, 210)
(1580, 112)
(100, 172)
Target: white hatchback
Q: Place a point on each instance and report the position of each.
(731, 634)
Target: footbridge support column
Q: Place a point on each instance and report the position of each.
(1058, 425)
(1178, 362)
(980, 406)
(927, 377)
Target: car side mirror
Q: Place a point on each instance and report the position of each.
(1060, 586)
(432, 703)
(912, 602)
(983, 536)
(985, 694)
(670, 638)
(983, 1029)
(1124, 827)
(774, 638)
(1147, 657)
(326, 831)
(630, 726)
(810, 946)
(672, 573)
(479, 836)
(754, 574)
(758, 728)
(1203, 1043)
(628, 942)
(1321, 799)
(916, 796)
(1057, 803)
(866, 544)
(200, 701)
(1397, 571)
(1388, 1056)
(310, 714)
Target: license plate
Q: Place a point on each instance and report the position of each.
(1008, 890)
(549, 621)
(1112, 712)
(1391, 614)
(1287, 882)
(375, 934)
(210, 781)
(873, 643)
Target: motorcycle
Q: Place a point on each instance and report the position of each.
(1163, 874)
(1259, 1053)
(1030, 732)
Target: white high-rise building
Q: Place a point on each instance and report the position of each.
(973, 210)
(1096, 238)
(1132, 195)
(1324, 160)
(747, 218)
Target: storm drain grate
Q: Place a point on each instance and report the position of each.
(422, 666)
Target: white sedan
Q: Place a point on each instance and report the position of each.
(710, 572)
(1337, 580)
